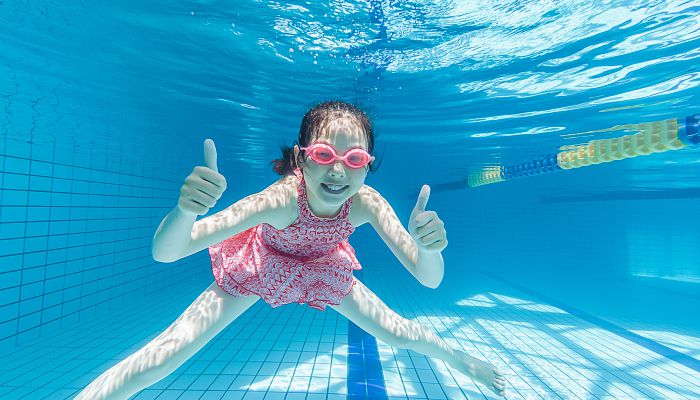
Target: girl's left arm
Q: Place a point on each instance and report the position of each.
(420, 250)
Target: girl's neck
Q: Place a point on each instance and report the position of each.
(321, 212)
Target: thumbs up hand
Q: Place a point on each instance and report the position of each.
(425, 227)
(204, 186)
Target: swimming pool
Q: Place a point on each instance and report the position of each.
(572, 262)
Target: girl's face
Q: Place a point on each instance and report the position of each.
(342, 134)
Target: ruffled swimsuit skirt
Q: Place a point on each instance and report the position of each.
(310, 261)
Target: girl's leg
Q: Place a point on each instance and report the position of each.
(366, 310)
(208, 315)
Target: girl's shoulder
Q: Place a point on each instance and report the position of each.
(361, 203)
(283, 194)
(371, 203)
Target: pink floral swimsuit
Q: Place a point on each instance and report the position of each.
(310, 261)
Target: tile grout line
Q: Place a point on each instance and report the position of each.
(362, 350)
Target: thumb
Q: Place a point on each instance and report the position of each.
(210, 155)
(422, 198)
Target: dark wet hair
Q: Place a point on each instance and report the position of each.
(315, 119)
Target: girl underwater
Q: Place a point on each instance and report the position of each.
(288, 243)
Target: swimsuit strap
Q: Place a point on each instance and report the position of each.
(303, 203)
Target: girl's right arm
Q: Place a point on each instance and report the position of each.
(180, 235)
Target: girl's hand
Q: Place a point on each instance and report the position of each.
(425, 227)
(204, 186)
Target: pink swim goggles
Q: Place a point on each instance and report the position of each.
(325, 154)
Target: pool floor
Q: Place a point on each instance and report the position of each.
(552, 340)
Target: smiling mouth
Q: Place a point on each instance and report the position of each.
(336, 191)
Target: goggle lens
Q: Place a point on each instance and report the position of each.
(357, 159)
(322, 155)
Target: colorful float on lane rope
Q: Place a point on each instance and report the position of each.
(652, 137)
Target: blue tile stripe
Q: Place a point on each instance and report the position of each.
(647, 343)
(365, 376)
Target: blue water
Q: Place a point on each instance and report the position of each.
(577, 284)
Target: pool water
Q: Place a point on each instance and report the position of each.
(559, 140)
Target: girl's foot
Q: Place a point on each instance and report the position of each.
(482, 372)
